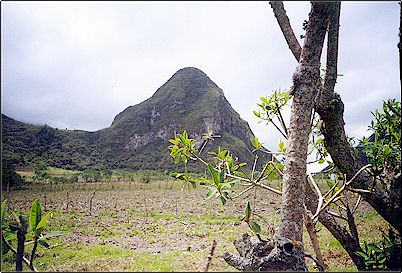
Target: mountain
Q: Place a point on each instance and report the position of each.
(138, 136)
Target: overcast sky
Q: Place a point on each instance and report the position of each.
(76, 65)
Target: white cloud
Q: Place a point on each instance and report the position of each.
(78, 64)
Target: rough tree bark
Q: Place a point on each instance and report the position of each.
(304, 91)
(285, 251)
(330, 107)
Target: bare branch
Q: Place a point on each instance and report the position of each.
(244, 191)
(267, 187)
(284, 24)
(255, 163)
(337, 196)
(277, 128)
(336, 215)
(320, 197)
(359, 190)
(203, 146)
(333, 187)
(262, 172)
(211, 254)
(281, 120)
(314, 240)
(359, 199)
(332, 51)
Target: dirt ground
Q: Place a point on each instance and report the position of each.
(156, 227)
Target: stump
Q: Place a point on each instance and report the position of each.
(275, 254)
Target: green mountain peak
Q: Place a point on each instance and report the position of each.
(138, 136)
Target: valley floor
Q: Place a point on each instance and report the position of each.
(136, 226)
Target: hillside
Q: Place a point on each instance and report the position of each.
(138, 136)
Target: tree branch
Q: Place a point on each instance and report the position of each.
(332, 49)
(284, 24)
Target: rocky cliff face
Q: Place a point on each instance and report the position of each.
(138, 136)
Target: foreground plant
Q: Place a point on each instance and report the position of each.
(26, 230)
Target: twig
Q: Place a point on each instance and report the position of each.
(90, 203)
(336, 196)
(320, 268)
(211, 254)
(357, 204)
(320, 197)
(203, 146)
(254, 165)
(244, 191)
(277, 128)
(314, 240)
(263, 171)
(281, 119)
(268, 152)
(358, 190)
(336, 215)
(331, 189)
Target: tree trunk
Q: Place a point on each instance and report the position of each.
(330, 107)
(304, 91)
(20, 246)
(285, 251)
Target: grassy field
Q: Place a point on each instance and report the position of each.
(135, 226)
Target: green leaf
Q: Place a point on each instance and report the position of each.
(257, 114)
(55, 234)
(9, 236)
(374, 247)
(224, 197)
(214, 174)
(35, 215)
(255, 227)
(281, 145)
(4, 246)
(329, 184)
(212, 191)
(44, 243)
(362, 254)
(3, 211)
(42, 223)
(222, 177)
(177, 176)
(248, 212)
(256, 143)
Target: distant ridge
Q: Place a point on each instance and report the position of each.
(138, 136)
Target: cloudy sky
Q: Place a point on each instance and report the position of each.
(76, 65)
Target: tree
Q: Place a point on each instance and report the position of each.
(9, 177)
(304, 91)
(284, 251)
(329, 105)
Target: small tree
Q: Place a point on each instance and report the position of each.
(9, 176)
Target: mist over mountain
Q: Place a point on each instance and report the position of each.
(138, 136)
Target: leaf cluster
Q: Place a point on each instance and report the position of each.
(383, 255)
(34, 224)
(383, 148)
